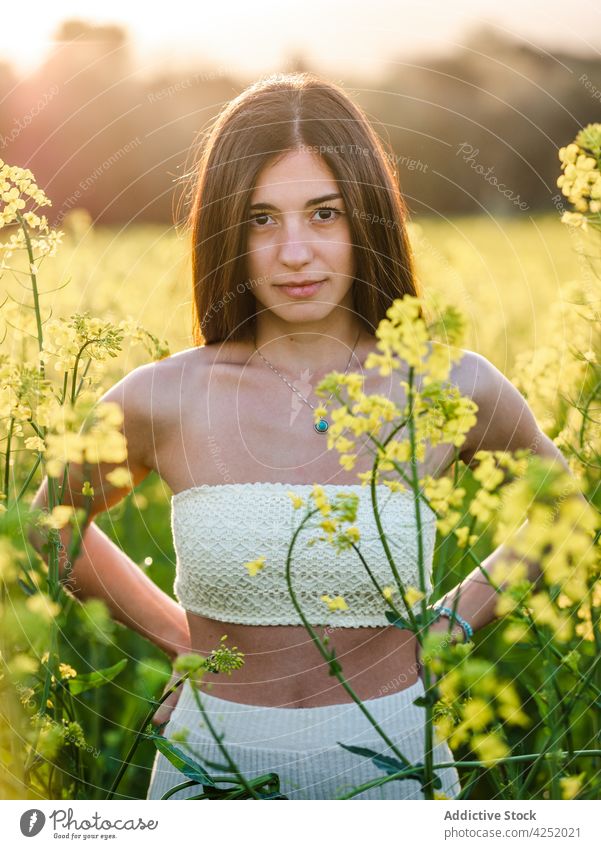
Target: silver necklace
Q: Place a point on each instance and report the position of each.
(322, 425)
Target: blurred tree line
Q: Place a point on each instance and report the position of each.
(471, 132)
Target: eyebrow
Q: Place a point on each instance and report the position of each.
(312, 202)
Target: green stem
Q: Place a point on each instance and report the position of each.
(141, 733)
(34, 286)
(376, 782)
(75, 392)
(173, 790)
(380, 447)
(428, 726)
(232, 764)
(584, 683)
(374, 581)
(51, 667)
(29, 478)
(329, 656)
(439, 574)
(7, 460)
(386, 547)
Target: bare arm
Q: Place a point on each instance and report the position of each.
(102, 570)
(505, 423)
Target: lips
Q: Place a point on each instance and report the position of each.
(301, 290)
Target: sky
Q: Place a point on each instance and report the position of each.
(336, 36)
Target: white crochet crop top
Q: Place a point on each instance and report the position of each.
(218, 528)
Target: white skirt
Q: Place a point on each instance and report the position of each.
(301, 746)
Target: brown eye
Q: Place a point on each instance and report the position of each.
(254, 218)
(329, 209)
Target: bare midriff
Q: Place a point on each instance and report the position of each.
(284, 668)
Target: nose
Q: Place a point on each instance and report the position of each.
(295, 249)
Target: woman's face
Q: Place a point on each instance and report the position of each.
(299, 230)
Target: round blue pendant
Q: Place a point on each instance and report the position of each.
(321, 426)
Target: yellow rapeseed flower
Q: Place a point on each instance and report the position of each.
(297, 501)
(353, 534)
(59, 517)
(336, 603)
(516, 632)
(483, 505)
(330, 526)
(464, 537)
(321, 500)
(347, 461)
(43, 606)
(67, 671)
(413, 595)
(342, 444)
(571, 785)
(489, 748)
(395, 486)
(581, 178)
(477, 713)
(255, 566)
(120, 478)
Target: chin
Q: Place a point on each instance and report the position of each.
(304, 312)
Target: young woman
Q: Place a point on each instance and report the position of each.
(299, 246)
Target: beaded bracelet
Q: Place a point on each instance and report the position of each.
(465, 625)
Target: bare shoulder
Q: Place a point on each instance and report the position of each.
(132, 394)
(170, 377)
(476, 377)
(147, 396)
(505, 422)
(150, 397)
(156, 395)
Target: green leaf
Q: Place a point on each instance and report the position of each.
(392, 765)
(335, 667)
(90, 680)
(540, 700)
(397, 621)
(181, 760)
(222, 793)
(469, 783)
(27, 588)
(269, 788)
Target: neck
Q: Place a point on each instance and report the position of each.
(311, 345)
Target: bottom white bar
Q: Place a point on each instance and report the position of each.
(362, 824)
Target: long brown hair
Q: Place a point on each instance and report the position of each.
(272, 117)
